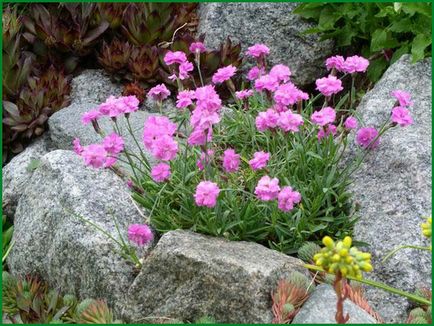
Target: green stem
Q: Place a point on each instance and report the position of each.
(394, 251)
(379, 285)
(142, 154)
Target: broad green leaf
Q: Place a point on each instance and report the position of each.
(420, 43)
(376, 69)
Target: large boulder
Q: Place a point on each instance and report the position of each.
(393, 187)
(188, 276)
(273, 24)
(17, 173)
(320, 308)
(53, 243)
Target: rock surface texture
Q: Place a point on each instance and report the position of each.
(393, 187)
(273, 24)
(320, 308)
(188, 276)
(17, 173)
(52, 243)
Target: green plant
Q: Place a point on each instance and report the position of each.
(290, 295)
(154, 23)
(307, 251)
(29, 300)
(420, 316)
(114, 56)
(384, 31)
(7, 243)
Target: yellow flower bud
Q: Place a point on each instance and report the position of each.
(328, 242)
(343, 252)
(347, 242)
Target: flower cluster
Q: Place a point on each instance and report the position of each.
(112, 107)
(268, 189)
(100, 155)
(349, 65)
(343, 258)
(179, 59)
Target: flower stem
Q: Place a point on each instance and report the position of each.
(394, 251)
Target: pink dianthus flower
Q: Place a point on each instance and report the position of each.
(324, 116)
(140, 234)
(131, 103)
(258, 50)
(355, 64)
(204, 159)
(326, 131)
(231, 160)
(223, 74)
(267, 82)
(259, 161)
(78, 149)
(255, 73)
(336, 62)
(157, 126)
(287, 198)
(244, 94)
(290, 121)
(404, 98)
(267, 188)
(350, 123)
(401, 116)
(160, 172)
(90, 116)
(94, 155)
(113, 144)
(197, 47)
(164, 148)
(206, 194)
(365, 136)
(288, 94)
(267, 120)
(184, 99)
(175, 57)
(329, 85)
(281, 73)
(159, 92)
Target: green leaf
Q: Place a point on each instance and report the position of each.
(401, 26)
(399, 53)
(376, 69)
(411, 8)
(33, 165)
(308, 10)
(381, 39)
(420, 43)
(328, 17)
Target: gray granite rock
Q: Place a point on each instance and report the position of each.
(320, 308)
(188, 276)
(17, 173)
(273, 24)
(393, 187)
(51, 242)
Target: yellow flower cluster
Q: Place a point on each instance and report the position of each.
(341, 257)
(427, 227)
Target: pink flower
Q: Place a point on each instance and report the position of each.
(159, 92)
(90, 116)
(113, 144)
(288, 94)
(244, 94)
(254, 73)
(160, 172)
(164, 148)
(207, 98)
(184, 99)
(281, 73)
(266, 82)
(259, 161)
(258, 50)
(131, 103)
(366, 136)
(202, 118)
(112, 107)
(200, 137)
(401, 116)
(231, 160)
(355, 64)
(287, 198)
(350, 123)
(223, 74)
(184, 69)
(290, 121)
(94, 155)
(267, 120)
(206, 194)
(78, 149)
(174, 57)
(404, 98)
(267, 188)
(324, 116)
(204, 159)
(155, 127)
(329, 85)
(336, 62)
(197, 47)
(140, 234)
(326, 131)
